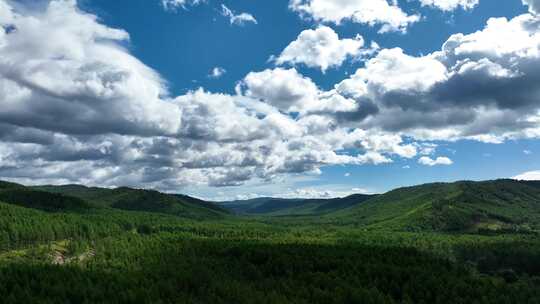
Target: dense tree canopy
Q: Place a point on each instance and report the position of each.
(102, 254)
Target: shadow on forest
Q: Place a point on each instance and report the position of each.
(156, 269)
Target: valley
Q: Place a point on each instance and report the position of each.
(465, 242)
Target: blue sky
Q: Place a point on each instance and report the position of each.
(470, 132)
(184, 45)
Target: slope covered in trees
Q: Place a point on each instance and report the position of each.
(139, 200)
(29, 198)
(129, 255)
(504, 205)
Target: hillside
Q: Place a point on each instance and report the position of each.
(357, 254)
(269, 206)
(41, 200)
(125, 198)
(78, 198)
(501, 205)
(154, 201)
(8, 185)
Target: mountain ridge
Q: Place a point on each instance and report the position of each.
(465, 206)
(77, 198)
(273, 206)
(502, 204)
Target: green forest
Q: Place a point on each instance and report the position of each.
(465, 242)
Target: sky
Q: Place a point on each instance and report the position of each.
(288, 98)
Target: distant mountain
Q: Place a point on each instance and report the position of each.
(79, 198)
(501, 205)
(283, 207)
(200, 202)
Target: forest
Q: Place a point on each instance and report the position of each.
(439, 243)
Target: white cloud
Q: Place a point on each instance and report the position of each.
(289, 91)
(67, 115)
(321, 193)
(482, 86)
(527, 152)
(450, 5)
(285, 89)
(534, 5)
(171, 5)
(322, 48)
(237, 19)
(217, 72)
(392, 70)
(63, 71)
(427, 161)
(427, 148)
(347, 174)
(528, 176)
(371, 12)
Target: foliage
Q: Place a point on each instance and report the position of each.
(439, 243)
(138, 200)
(503, 205)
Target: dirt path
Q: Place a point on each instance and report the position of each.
(59, 258)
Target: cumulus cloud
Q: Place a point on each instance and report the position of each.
(63, 71)
(392, 70)
(285, 89)
(217, 72)
(482, 86)
(371, 12)
(427, 148)
(427, 161)
(534, 5)
(322, 48)
(67, 115)
(291, 92)
(450, 5)
(237, 19)
(528, 176)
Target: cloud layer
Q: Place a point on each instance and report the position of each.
(77, 107)
(482, 86)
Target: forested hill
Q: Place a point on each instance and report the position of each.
(73, 244)
(500, 205)
(7, 185)
(269, 206)
(79, 198)
(125, 198)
